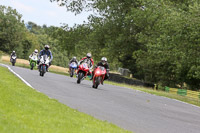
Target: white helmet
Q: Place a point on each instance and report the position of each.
(89, 55)
(103, 60)
(46, 47)
(13, 51)
(74, 57)
(36, 51)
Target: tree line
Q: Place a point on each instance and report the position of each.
(157, 40)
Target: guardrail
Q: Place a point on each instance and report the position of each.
(183, 92)
(130, 81)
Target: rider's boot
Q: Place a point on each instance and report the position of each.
(91, 77)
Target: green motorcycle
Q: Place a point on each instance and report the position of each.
(33, 61)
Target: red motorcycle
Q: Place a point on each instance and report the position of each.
(99, 75)
(82, 72)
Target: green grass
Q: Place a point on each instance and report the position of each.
(1, 54)
(24, 110)
(159, 93)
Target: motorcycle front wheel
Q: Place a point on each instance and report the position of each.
(80, 76)
(42, 71)
(32, 65)
(96, 82)
(72, 72)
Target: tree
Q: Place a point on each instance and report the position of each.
(12, 30)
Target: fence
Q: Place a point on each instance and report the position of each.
(183, 92)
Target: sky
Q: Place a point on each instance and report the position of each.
(44, 12)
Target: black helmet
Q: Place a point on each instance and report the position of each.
(46, 47)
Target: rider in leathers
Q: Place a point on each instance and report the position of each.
(47, 52)
(73, 60)
(13, 54)
(35, 53)
(104, 64)
(89, 61)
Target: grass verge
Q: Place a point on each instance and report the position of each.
(159, 93)
(24, 110)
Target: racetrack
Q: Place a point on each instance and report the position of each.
(130, 109)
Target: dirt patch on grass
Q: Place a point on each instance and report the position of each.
(26, 62)
(58, 69)
(20, 61)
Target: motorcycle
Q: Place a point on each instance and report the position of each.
(33, 61)
(72, 67)
(44, 64)
(99, 75)
(13, 60)
(82, 72)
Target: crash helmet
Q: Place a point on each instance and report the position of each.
(36, 51)
(88, 55)
(74, 58)
(46, 47)
(13, 51)
(103, 60)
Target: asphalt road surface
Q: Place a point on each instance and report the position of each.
(130, 109)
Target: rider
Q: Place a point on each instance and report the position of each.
(104, 64)
(88, 59)
(35, 53)
(13, 54)
(47, 52)
(73, 60)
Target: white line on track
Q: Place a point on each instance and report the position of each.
(20, 77)
(17, 75)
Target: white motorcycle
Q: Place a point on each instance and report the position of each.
(13, 60)
(44, 64)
